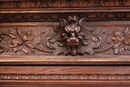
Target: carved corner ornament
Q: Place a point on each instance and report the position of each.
(71, 37)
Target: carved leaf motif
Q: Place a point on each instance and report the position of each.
(3, 40)
(27, 50)
(21, 41)
(30, 45)
(43, 41)
(15, 43)
(12, 36)
(122, 41)
(126, 30)
(2, 47)
(94, 42)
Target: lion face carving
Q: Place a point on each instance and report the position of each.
(73, 37)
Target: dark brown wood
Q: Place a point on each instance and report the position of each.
(94, 38)
(64, 43)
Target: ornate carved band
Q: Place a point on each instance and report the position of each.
(88, 77)
(46, 17)
(73, 37)
(63, 3)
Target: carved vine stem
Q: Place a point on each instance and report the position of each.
(104, 42)
(43, 42)
(75, 39)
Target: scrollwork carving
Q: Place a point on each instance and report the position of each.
(44, 41)
(4, 45)
(73, 37)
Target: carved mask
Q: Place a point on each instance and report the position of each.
(71, 37)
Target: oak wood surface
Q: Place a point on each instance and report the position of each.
(105, 65)
(65, 70)
(61, 60)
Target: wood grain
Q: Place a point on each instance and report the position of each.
(64, 69)
(64, 60)
(105, 19)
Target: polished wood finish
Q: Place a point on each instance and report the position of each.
(69, 75)
(64, 43)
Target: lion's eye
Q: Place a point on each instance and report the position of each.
(77, 29)
(67, 29)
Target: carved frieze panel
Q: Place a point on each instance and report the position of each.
(64, 42)
(72, 37)
(62, 3)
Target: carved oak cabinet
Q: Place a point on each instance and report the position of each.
(64, 43)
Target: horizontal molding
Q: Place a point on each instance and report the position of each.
(88, 23)
(55, 17)
(59, 83)
(67, 10)
(89, 77)
(64, 3)
(64, 60)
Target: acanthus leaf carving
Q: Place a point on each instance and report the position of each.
(122, 41)
(4, 45)
(43, 42)
(21, 41)
(72, 37)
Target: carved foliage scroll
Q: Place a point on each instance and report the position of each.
(18, 40)
(72, 37)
